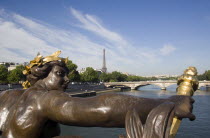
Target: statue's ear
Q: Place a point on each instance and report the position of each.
(133, 125)
(158, 121)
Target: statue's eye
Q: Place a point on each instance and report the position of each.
(59, 73)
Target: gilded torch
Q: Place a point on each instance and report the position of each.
(187, 85)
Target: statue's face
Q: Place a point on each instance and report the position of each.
(57, 79)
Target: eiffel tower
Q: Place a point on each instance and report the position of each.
(104, 69)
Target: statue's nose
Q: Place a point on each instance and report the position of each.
(66, 79)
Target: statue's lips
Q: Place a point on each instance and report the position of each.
(65, 85)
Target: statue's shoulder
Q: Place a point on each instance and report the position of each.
(35, 90)
(9, 98)
(58, 93)
(11, 93)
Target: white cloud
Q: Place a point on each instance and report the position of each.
(116, 41)
(91, 23)
(23, 35)
(21, 38)
(167, 49)
(17, 45)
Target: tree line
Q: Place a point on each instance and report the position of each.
(13, 76)
(204, 76)
(89, 75)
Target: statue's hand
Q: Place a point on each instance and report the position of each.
(183, 106)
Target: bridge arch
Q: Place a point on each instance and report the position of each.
(135, 85)
(204, 84)
(112, 86)
(161, 84)
(139, 86)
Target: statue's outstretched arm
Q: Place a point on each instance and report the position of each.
(107, 110)
(57, 106)
(62, 108)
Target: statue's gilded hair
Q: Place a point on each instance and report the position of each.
(41, 66)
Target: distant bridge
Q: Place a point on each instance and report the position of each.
(162, 84)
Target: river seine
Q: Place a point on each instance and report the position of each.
(200, 128)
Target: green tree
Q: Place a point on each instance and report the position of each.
(104, 77)
(71, 66)
(73, 73)
(133, 78)
(207, 73)
(74, 76)
(7, 65)
(151, 78)
(140, 78)
(16, 75)
(90, 75)
(3, 74)
(117, 76)
(204, 76)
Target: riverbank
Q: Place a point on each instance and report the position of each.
(75, 90)
(93, 92)
(4, 87)
(71, 87)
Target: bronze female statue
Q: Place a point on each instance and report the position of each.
(36, 111)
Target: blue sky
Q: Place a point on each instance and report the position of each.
(144, 37)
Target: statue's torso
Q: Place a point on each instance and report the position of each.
(7, 101)
(21, 115)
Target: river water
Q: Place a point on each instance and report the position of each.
(200, 128)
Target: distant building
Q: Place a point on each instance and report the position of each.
(82, 70)
(128, 74)
(99, 71)
(104, 69)
(11, 67)
(7, 63)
